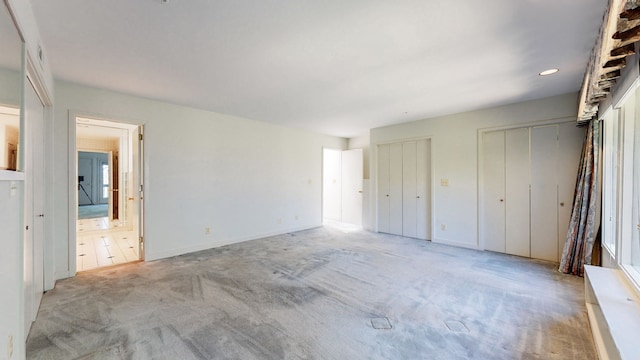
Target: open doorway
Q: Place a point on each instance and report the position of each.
(108, 200)
(342, 184)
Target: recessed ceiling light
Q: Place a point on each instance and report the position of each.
(548, 72)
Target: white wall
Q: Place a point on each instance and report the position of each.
(244, 179)
(11, 313)
(11, 200)
(455, 157)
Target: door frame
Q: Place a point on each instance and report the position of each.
(72, 177)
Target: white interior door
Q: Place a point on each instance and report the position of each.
(34, 206)
(517, 192)
(383, 188)
(352, 174)
(493, 196)
(332, 184)
(544, 193)
(395, 189)
(409, 189)
(423, 190)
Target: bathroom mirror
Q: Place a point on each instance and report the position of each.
(10, 90)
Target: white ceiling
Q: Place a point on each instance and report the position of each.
(333, 66)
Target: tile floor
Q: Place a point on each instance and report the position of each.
(101, 242)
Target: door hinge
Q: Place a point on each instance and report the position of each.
(141, 188)
(141, 239)
(140, 137)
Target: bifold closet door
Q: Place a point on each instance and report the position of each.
(517, 192)
(493, 203)
(423, 175)
(570, 140)
(383, 188)
(404, 188)
(505, 205)
(409, 189)
(390, 188)
(544, 192)
(395, 189)
(555, 154)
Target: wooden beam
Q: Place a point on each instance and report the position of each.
(615, 64)
(606, 83)
(631, 14)
(628, 35)
(623, 51)
(610, 75)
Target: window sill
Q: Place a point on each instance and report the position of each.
(614, 312)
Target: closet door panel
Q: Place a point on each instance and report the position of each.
(517, 192)
(409, 189)
(423, 188)
(395, 189)
(493, 170)
(383, 188)
(570, 141)
(544, 193)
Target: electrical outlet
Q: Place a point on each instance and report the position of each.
(444, 182)
(443, 227)
(279, 220)
(207, 230)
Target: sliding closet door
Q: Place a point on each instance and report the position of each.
(383, 188)
(423, 190)
(409, 189)
(544, 192)
(395, 189)
(493, 206)
(517, 192)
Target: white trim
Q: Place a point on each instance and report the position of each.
(223, 242)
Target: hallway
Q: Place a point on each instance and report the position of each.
(101, 242)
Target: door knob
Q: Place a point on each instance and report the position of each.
(417, 197)
(360, 191)
(387, 195)
(501, 200)
(561, 204)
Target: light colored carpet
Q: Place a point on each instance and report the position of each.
(93, 211)
(318, 294)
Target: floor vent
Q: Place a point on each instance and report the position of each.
(456, 326)
(381, 323)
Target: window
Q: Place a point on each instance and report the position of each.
(105, 181)
(635, 224)
(621, 183)
(610, 180)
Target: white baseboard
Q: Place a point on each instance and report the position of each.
(223, 242)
